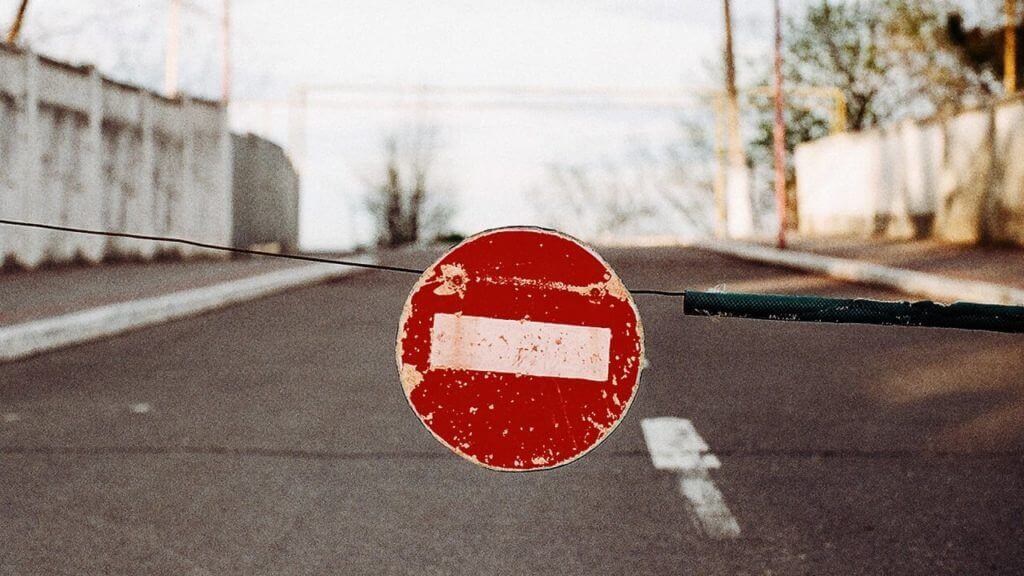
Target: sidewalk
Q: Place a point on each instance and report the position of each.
(999, 265)
(46, 309)
(940, 272)
(37, 294)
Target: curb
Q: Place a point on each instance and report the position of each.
(931, 286)
(30, 338)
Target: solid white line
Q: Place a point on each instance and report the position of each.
(675, 445)
(519, 347)
(37, 336)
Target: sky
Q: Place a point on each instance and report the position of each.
(492, 162)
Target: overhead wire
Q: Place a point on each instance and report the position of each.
(262, 253)
(208, 246)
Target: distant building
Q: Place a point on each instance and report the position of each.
(265, 195)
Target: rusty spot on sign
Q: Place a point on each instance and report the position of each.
(453, 281)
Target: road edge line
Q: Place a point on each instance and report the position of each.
(932, 286)
(37, 336)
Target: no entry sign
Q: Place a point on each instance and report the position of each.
(520, 349)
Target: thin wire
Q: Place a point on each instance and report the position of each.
(756, 306)
(672, 293)
(285, 255)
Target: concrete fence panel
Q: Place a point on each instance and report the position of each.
(960, 179)
(80, 150)
(1008, 214)
(826, 173)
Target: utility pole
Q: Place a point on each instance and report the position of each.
(172, 53)
(19, 19)
(779, 132)
(298, 104)
(172, 50)
(729, 106)
(1010, 48)
(735, 217)
(225, 52)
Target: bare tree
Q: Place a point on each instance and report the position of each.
(407, 201)
(19, 18)
(117, 36)
(667, 188)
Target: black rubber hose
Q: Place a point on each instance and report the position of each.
(964, 315)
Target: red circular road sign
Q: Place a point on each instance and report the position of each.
(520, 349)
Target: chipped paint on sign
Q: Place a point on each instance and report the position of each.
(410, 377)
(610, 286)
(520, 349)
(453, 281)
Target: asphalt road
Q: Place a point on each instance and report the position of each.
(274, 438)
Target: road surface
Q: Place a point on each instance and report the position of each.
(273, 438)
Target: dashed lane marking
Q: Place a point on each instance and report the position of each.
(675, 445)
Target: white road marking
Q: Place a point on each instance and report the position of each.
(35, 336)
(10, 417)
(675, 445)
(141, 408)
(519, 347)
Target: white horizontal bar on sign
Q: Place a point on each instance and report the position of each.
(519, 347)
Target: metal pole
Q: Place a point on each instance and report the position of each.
(1010, 52)
(779, 133)
(268, 120)
(297, 127)
(225, 50)
(171, 52)
(19, 19)
(721, 179)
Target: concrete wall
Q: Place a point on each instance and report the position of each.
(960, 179)
(80, 150)
(266, 194)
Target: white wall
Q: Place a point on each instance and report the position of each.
(959, 178)
(79, 150)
